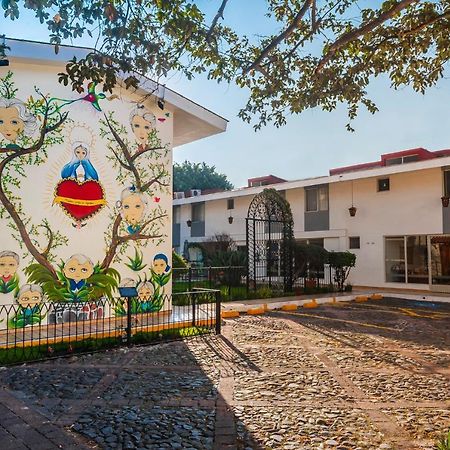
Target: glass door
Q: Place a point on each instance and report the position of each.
(440, 262)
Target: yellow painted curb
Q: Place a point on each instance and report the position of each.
(376, 297)
(361, 298)
(230, 314)
(289, 307)
(254, 311)
(311, 304)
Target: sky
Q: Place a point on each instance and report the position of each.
(311, 143)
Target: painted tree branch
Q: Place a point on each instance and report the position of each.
(346, 38)
(144, 150)
(150, 183)
(281, 37)
(40, 257)
(126, 154)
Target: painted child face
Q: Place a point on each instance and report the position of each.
(29, 298)
(8, 266)
(10, 123)
(80, 153)
(141, 128)
(77, 271)
(145, 293)
(133, 209)
(159, 266)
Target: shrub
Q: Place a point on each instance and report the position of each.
(341, 262)
(444, 442)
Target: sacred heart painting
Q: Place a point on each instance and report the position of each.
(80, 200)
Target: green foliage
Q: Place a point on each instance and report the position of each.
(26, 316)
(190, 175)
(317, 54)
(135, 263)
(341, 262)
(102, 283)
(178, 262)
(444, 442)
(308, 256)
(9, 286)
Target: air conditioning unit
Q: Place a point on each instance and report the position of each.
(196, 192)
(178, 195)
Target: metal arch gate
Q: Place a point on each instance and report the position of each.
(269, 245)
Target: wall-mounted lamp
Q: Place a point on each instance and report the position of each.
(352, 209)
(161, 102)
(230, 219)
(189, 223)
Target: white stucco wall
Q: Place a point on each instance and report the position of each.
(37, 192)
(412, 206)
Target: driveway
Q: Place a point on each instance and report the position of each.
(373, 375)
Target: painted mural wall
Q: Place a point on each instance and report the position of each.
(85, 197)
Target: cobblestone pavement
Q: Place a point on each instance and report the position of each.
(347, 377)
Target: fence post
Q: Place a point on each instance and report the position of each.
(218, 313)
(229, 282)
(192, 295)
(190, 279)
(129, 335)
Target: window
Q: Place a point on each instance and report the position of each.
(402, 160)
(198, 212)
(395, 259)
(176, 214)
(383, 184)
(354, 242)
(230, 203)
(447, 182)
(316, 198)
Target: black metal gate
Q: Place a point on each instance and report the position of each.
(269, 236)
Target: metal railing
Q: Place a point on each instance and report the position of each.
(229, 280)
(51, 329)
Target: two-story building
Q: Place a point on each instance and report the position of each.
(392, 213)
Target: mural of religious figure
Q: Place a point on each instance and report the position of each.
(160, 269)
(77, 269)
(16, 119)
(80, 166)
(133, 205)
(142, 122)
(29, 298)
(9, 262)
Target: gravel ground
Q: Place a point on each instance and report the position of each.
(331, 378)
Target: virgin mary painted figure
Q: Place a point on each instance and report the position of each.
(80, 166)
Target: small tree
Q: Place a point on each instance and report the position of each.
(188, 175)
(308, 257)
(341, 262)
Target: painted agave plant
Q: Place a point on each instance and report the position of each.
(135, 263)
(102, 283)
(11, 285)
(26, 316)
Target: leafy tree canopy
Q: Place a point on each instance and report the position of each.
(190, 175)
(321, 52)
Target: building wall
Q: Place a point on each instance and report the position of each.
(412, 206)
(86, 215)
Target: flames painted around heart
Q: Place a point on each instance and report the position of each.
(61, 260)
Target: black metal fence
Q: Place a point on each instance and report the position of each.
(49, 329)
(229, 280)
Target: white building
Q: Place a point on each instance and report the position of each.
(399, 231)
(86, 177)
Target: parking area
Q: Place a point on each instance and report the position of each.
(346, 376)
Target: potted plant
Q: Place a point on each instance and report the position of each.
(352, 211)
(445, 200)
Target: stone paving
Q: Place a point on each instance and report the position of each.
(349, 377)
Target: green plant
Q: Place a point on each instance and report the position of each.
(348, 287)
(135, 263)
(444, 442)
(341, 262)
(178, 262)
